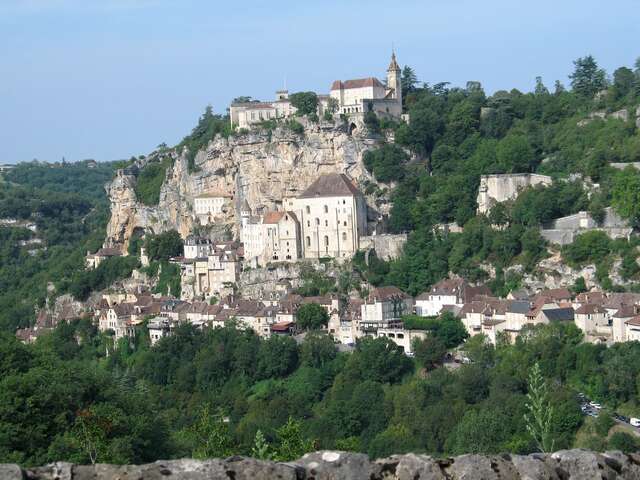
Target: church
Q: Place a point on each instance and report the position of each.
(363, 95)
(351, 97)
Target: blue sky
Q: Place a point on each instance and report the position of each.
(107, 79)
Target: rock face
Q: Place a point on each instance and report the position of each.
(329, 465)
(262, 167)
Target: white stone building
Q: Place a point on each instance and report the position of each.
(447, 293)
(384, 308)
(272, 237)
(332, 214)
(209, 206)
(245, 114)
(370, 94)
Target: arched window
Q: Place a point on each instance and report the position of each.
(326, 223)
(344, 236)
(326, 244)
(326, 209)
(308, 241)
(308, 209)
(317, 221)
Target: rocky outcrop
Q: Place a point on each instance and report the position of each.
(260, 166)
(329, 465)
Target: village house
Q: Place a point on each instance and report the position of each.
(447, 293)
(632, 329)
(208, 269)
(384, 308)
(159, 328)
(592, 320)
(93, 260)
(619, 320)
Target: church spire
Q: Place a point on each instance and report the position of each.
(393, 66)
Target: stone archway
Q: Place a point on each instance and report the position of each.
(353, 127)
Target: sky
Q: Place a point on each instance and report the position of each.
(108, 79)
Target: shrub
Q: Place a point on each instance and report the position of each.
(150, 180)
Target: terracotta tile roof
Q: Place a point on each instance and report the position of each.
(356, 83)
(617, 300)
(282, 326)
(331, 185)
(555, 294)
(635, 321)
(272, 217)
(591, 297)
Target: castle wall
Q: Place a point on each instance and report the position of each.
(563, 231)
(502, 187)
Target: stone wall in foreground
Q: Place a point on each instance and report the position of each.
(329, 465)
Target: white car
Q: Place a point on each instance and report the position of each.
(635, 422)
(595, 405)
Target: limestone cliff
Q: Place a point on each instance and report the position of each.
(261, 166)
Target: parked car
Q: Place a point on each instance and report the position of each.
(635, 421)
(595, 405)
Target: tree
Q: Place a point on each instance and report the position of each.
(587, 78)
(292, 444)
(623, 82)
(306, 103)
(429, 352)
(624, 442)
(515, 155)
(164, 245)
(317, 350)
(540, 88)
(261, 448)
(312, 316)
(386, 163)
(379, 359)
(277, 357)
(625, 194)
(408, 80)
(210, 436)
(540, 414)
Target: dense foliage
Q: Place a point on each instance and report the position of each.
(68, 206)
(209, 125)
(457, 134)
(64, 399)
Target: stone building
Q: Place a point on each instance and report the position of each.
(362, 95)
(332, 214)
(384, 308)
(564, 230)
(447, 292)
(356, 96)
(208, 269)
(93, 260)
(211, 205)
(272, 237)
(245, 114)
(502, 187)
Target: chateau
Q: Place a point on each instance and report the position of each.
(326, 220)
(355, 96)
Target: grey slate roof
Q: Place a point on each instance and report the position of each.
(559, 314)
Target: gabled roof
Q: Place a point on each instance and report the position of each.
(356, 83)
(626, 311)
(590, 308)
(555, 294)
(382, 294)
(331, 185)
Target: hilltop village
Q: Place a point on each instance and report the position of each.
(324, 225)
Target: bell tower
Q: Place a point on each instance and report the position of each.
(393, 78)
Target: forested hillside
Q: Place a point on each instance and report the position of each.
(67, 204)
(457, 134)
(226, 391)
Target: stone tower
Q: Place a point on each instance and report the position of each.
(393, 78)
